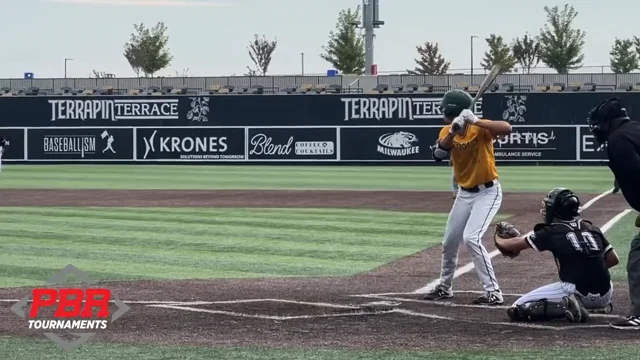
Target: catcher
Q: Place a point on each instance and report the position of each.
(582, 254)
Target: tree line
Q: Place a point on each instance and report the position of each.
(559, 45)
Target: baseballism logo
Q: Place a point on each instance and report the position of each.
(193, 148)
(59, 307)
(73, 144)
(388, 108)
(399, 143)
(516, 108)
(114, 110)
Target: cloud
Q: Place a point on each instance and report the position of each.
(150, 3)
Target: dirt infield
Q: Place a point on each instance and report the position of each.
(332, 312)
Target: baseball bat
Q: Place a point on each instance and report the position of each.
(488, 80)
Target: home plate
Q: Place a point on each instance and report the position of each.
(379, 306)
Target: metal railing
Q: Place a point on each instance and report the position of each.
(281, 82)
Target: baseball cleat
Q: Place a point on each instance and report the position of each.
(605, 310)
(490, 298)
(575, 311)
(440, 292)
(628, 323)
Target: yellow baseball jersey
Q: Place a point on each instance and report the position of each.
(472, 156)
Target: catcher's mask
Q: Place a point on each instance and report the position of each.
(601, 117)
(560, 203)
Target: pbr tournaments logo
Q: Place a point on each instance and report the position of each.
(70, 313)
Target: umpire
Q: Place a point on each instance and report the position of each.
(610, 123)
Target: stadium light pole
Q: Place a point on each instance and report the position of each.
(472, 37)
(302, 62)
(65, 66)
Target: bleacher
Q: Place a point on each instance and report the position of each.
(216, 89)
(505, 87)
(312, 89)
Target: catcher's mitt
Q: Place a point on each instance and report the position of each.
(505, 230)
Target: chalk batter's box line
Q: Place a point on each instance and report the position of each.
(362, 313)
(267, 317)
(416, 293)
(241, 301)
(183, 304)
(452, 304)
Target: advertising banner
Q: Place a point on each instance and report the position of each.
(112, 111)
(398, 109)
(552, 108)
(190, 144)
(245, 110)
(302, 144)
(80, 144)
(537, 143)
(589, 148)
(387, 144)
(15, 149)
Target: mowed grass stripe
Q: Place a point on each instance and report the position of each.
(221, 216)
(592, 179)
(117, 244)
(84, 247)
(222, 227)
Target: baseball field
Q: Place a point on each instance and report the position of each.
(275, 262)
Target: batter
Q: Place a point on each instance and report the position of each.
(479, 196)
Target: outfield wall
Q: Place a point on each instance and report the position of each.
(384, 129)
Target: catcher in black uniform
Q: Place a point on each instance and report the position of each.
(582, 254)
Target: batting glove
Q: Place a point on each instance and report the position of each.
(457, 125)
(469, 117)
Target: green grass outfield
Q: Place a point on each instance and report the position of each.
(620, 236)
(592, 179)
(188, 243)
(125, 243)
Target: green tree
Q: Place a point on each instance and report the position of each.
(624, 58)
(260, 52)
(499, 54)
(345, 49)
(147, 50)
(132, 54)
(526, 51)
(561, 44)
(430, 62)
(636, 42)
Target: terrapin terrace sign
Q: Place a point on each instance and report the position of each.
(389, 108)
(114, 109)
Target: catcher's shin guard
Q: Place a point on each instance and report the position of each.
(541, 310)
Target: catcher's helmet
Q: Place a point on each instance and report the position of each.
(560, 203)
(453, 102)
(601, 116)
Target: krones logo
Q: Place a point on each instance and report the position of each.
(186, 145)
(400, 143)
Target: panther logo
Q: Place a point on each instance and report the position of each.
(400, 143)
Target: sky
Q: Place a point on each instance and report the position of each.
(210, 37)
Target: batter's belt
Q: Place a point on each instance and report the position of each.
(477, 188)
